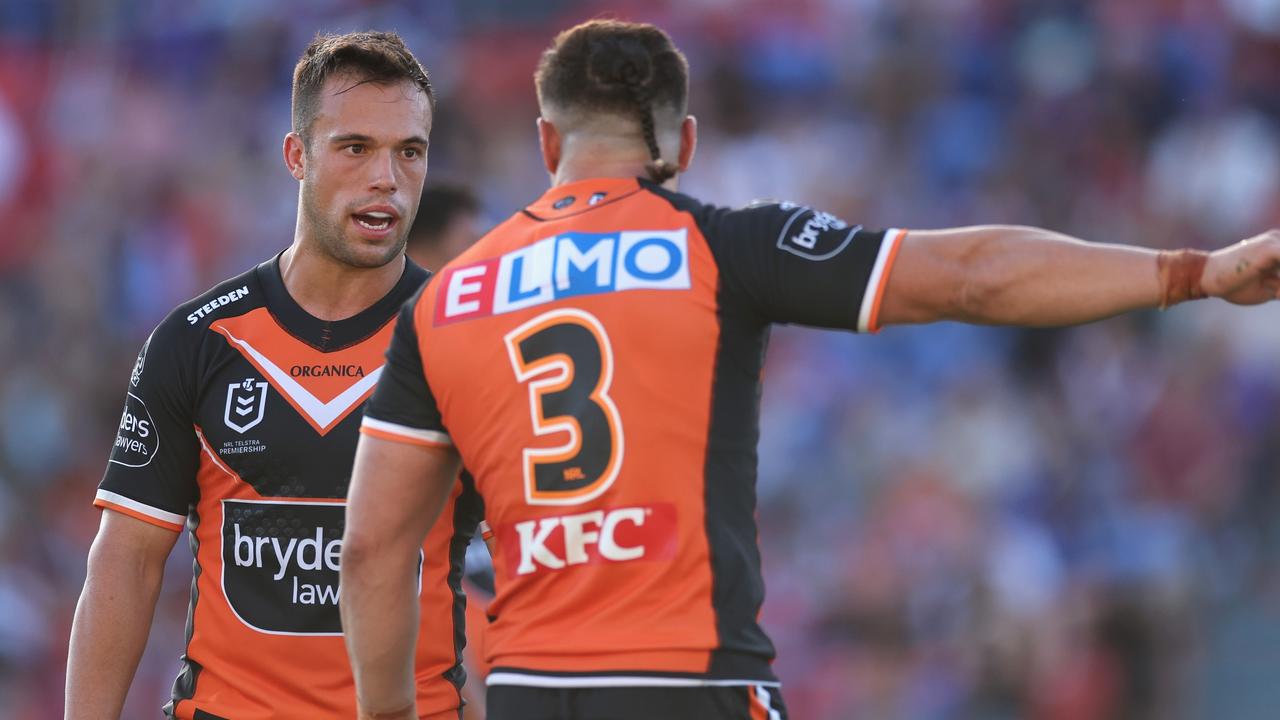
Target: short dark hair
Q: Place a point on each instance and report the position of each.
(441, 202)
(369, 57)
(621, 68)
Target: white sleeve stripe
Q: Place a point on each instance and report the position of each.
(157, 513)
(892, 237)
(430, 436)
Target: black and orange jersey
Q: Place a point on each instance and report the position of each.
(608, 407)
(241, 423)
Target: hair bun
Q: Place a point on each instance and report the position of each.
(619, 61)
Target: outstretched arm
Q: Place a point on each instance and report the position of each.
(113, 618)
(1010, 275)
(397, 490)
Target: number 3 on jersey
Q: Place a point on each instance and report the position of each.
(565, 357)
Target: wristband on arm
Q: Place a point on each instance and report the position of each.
(1180, 273)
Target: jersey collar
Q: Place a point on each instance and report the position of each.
(330, 335)
(580, 197)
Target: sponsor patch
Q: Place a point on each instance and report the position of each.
(813, 234)
(137, 438)
(280, 563)
(566, 265)
(607, 535)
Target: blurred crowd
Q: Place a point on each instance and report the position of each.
(957, 522)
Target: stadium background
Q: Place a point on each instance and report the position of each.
(957, 522)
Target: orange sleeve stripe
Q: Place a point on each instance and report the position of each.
(873, 323)
(402, 437)
(135, 514)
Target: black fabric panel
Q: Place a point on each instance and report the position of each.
(730, 496)
(326, 335)
(184, 686)
(744, 650)
(403, 396)
(787, 263)
(514, 702)
(468, 511)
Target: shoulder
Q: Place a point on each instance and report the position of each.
(784, 224)
(229, 297)
(186, 323)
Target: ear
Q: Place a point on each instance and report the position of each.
(688, 141)
(550, 140)
(295, 155)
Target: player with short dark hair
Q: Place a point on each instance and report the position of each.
(608, 399)
(241, 421)
(447, 223)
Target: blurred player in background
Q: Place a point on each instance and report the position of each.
(241, 421)
(448, 222)
(595, 361)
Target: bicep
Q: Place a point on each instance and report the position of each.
(128, 547)
(927, 282)
(397, 490)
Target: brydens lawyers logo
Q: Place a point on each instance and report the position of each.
(246, 402)
(563, 266)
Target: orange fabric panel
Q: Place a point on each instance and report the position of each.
(240, 662)
(308, 378)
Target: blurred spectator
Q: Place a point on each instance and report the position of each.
(956, 522)
(448, 222)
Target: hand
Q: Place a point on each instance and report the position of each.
(1247, 273)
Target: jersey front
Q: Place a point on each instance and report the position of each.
(241, 423)
(608, 409)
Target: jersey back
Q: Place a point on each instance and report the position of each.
(241, 423)
(608, 409)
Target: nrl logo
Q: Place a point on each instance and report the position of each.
(246, 402)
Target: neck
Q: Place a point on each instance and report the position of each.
(331, 290)
(583, 159)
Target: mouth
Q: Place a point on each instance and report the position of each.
(377, 222)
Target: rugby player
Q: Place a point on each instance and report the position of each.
(607, 402)
(448, 222)
(241, 421)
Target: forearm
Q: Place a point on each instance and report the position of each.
(109, 633)
(397, 490)
(1009, 275)
(1027, 276)
(380, 620)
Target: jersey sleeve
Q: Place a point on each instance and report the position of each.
(151, 474)
(403, 407)
(794, 264)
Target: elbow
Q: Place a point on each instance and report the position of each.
(979, 287)
(359, 551)
(976, 299)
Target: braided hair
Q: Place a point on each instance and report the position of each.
(627, 69)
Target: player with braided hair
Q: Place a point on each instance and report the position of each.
(607, 401)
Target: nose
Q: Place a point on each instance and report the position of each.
(383, 172)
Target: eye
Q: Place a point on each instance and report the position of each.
(411, 153)
(355, 148)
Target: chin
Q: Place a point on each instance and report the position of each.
(366, 255)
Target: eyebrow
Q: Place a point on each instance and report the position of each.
(357, 137)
